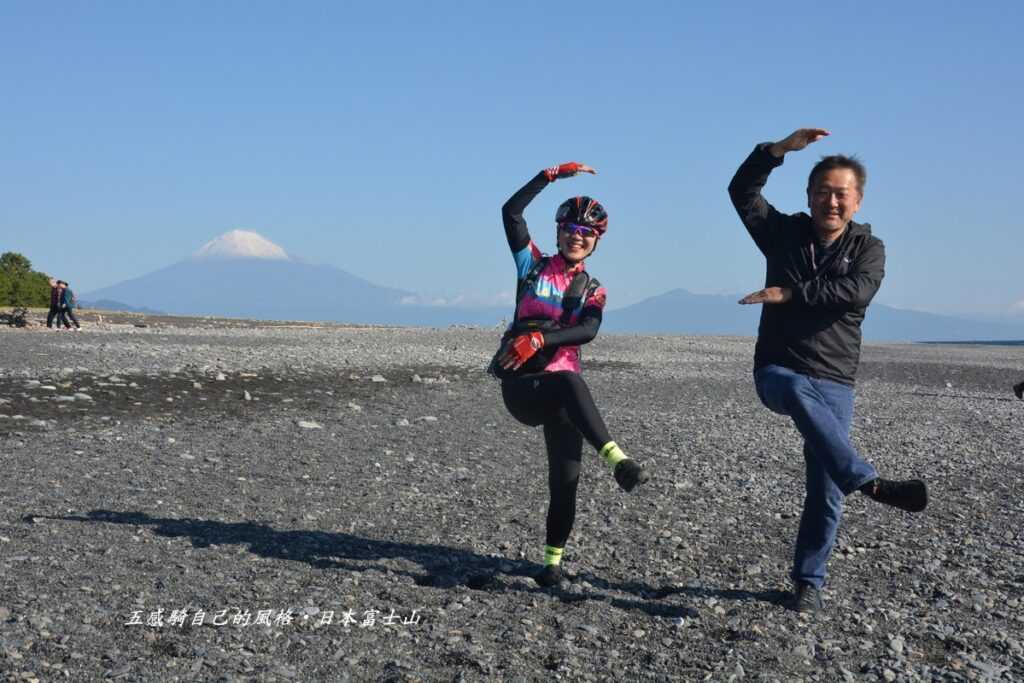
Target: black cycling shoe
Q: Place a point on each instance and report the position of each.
(1019, 390)
(551, 575)
(630, 474)
(910, 495)
(806, 599)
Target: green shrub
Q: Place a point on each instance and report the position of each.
(20, 285)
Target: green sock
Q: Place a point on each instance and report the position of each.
(612, 454)
(552, 555)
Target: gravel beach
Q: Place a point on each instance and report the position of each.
(212, 500)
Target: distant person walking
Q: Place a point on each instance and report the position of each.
(822, 272)
(68, 302)
(54, 313)
(558, 308)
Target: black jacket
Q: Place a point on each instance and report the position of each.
(817, 333)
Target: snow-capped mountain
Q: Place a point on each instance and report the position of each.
(241, 244)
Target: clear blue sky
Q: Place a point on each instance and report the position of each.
(383, 137)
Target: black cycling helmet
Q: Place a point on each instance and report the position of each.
(583, 211)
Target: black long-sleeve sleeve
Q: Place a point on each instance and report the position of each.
(512, 212)
(848, 292)
(760, 218)
(582, 332)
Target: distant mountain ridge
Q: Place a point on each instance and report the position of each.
(242, 274)
(682, 312)
(110, 305)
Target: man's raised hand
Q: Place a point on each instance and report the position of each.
(797, 140)
(567, 170)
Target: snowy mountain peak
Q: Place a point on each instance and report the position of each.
(241, 244)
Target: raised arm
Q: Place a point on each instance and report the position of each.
(760, 218)
(512, 211)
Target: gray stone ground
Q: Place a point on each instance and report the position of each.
(196, 472)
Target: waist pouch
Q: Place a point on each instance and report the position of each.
(537, 361)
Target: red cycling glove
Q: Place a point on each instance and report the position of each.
(566, 170)
(522, 349)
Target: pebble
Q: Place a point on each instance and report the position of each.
(378, 378)
(310, 424)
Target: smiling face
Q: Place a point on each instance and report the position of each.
(833, 200)
(575, 243)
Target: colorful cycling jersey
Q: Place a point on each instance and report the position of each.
(545, 299)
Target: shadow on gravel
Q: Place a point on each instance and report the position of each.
(444, 566)
(774, 597)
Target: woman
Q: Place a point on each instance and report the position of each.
(559, 307)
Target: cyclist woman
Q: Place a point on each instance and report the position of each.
(558, 308)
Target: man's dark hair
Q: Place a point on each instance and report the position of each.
(839, 161)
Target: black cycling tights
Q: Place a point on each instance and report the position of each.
(562, 403)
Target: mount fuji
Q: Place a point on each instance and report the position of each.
(243, 274)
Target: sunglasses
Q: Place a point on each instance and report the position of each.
(581, 230)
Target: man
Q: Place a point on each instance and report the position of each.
(822, 272)
(54, 304)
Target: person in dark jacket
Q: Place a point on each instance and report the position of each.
(54, 304)
(823, 269)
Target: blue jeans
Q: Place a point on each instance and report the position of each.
(822, 412)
